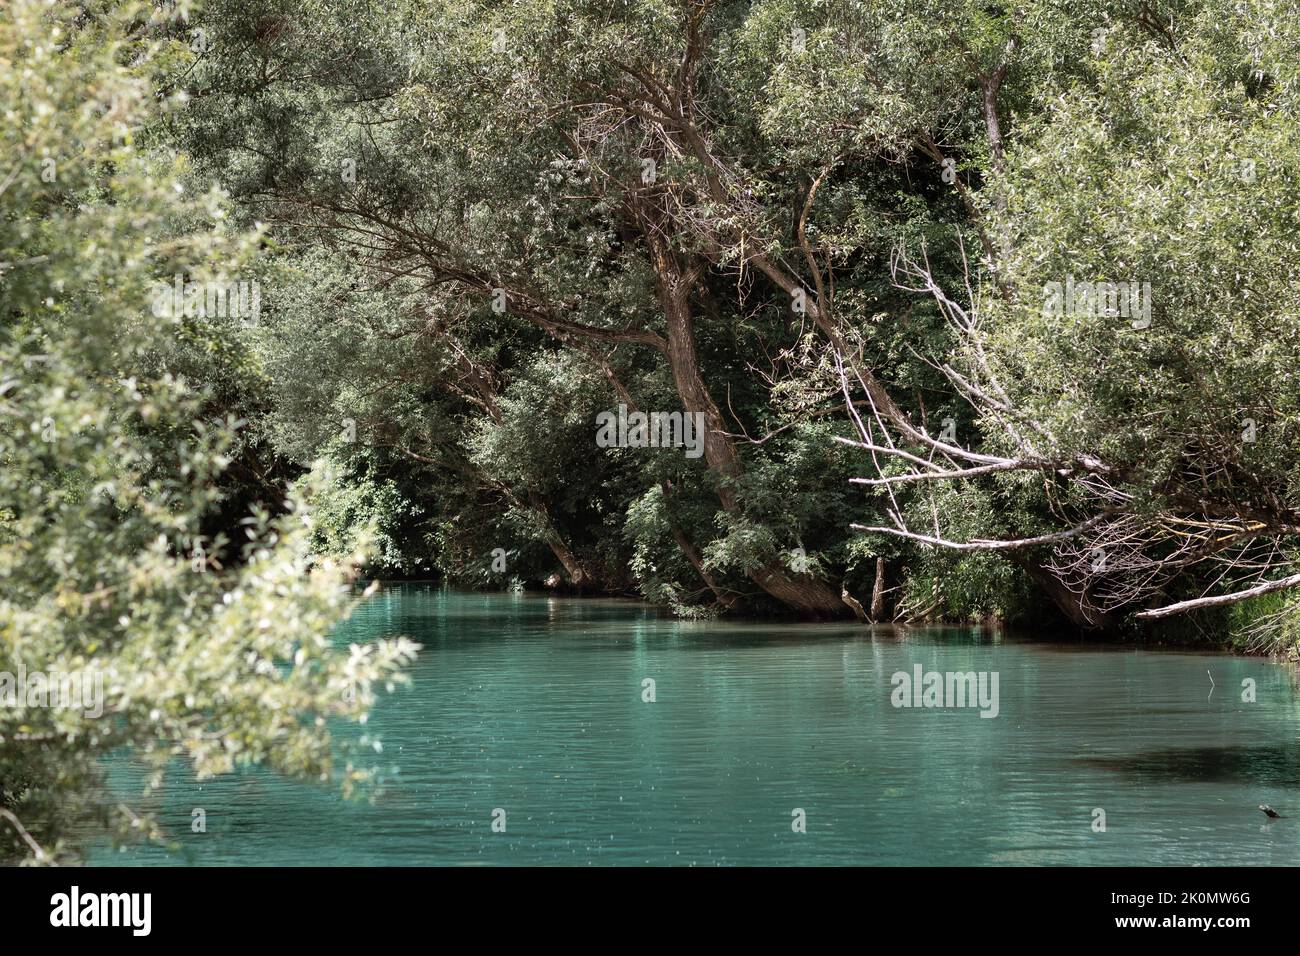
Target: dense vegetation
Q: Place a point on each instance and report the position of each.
(494, 221)
(987, 310)
(112, 466)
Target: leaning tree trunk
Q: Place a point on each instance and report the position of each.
(579, 579)
(799, 591)
(692, 553)
(1074, 606)
(480, 388)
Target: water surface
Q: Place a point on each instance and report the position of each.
(534, 705)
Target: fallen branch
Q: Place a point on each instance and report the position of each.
(1218, 600)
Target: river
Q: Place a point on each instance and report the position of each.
(533, 711)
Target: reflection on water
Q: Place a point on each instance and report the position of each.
(1275, 765)
(533, 705)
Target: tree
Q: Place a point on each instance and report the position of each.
(586, 181)
(109, 469)
(1129, 339)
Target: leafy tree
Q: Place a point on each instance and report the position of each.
(561, 191)
(110, 465)
(1150, 410)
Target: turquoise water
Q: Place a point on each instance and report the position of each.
(534, 705)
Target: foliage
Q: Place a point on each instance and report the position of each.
(111, 465)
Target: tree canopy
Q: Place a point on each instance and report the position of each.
(805, 222)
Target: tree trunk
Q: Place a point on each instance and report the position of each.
(801, 592)
(878, 592)
(693, 555)
(1072, 605)
(579, 579)
(481, 388)
(854, 604)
